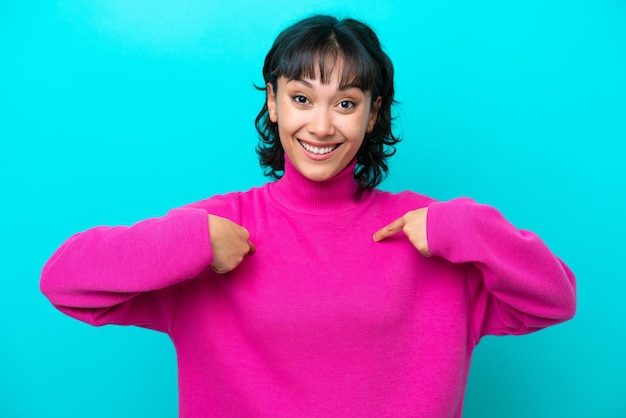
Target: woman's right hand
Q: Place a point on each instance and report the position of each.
(230, 244)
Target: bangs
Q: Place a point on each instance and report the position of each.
(321, 54)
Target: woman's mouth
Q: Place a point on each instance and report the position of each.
(318, 150)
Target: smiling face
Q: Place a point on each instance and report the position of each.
(321, 125)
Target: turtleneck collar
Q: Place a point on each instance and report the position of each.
(298, 193)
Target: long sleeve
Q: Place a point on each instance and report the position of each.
(516, 283)
(127, 274)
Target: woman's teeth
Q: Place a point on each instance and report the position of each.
(317, 150)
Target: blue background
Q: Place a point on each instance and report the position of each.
(115, 111)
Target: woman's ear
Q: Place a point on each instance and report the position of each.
(374, 113)
(271, 103)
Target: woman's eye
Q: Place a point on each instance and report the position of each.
(346, 104)
(300, 99)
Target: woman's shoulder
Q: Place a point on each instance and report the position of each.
(404, 198)
(227, 203)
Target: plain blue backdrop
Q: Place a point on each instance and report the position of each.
(115, 111)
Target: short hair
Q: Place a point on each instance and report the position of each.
(313, 46)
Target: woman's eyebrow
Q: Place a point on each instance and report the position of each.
(341, 88)
(350, 86)
(301, 81)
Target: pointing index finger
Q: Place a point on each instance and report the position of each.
(391, 229)
(252, 248)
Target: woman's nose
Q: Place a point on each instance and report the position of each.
(321, 124)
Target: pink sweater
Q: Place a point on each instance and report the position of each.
(321, 321)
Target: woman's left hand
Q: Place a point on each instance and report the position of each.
(413, 224)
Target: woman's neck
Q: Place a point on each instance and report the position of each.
(298, 193)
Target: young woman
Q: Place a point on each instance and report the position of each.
(318, 294)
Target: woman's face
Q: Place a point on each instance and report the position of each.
(321, 126)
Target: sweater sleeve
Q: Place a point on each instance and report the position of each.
(516, 284)
(127, 275)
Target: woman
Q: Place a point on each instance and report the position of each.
(318, 294)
